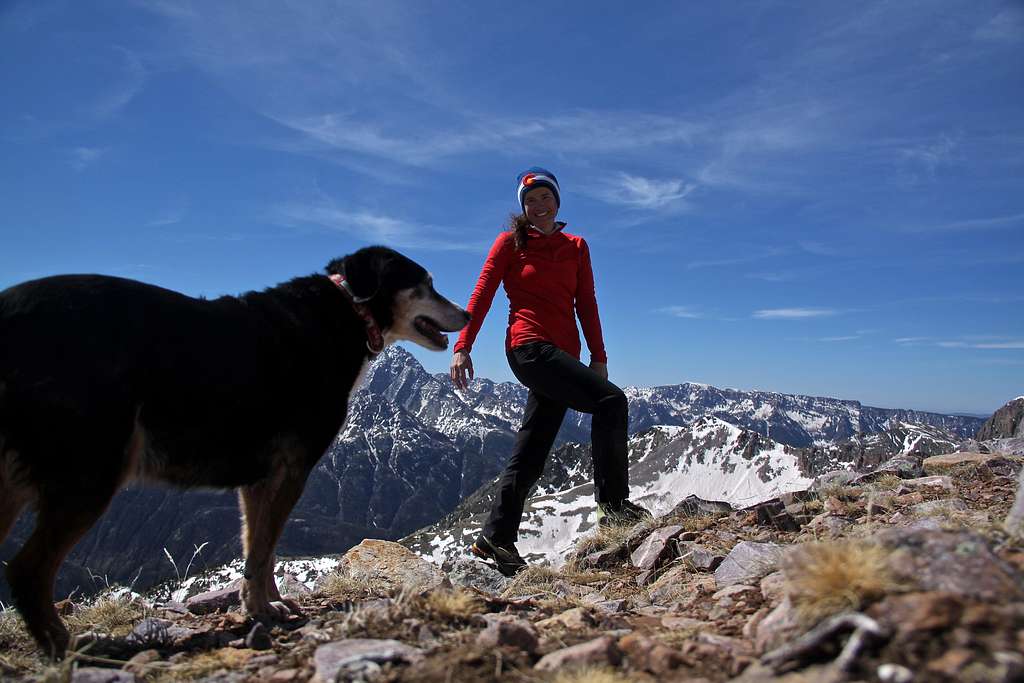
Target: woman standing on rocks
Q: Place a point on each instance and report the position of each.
(549, 281)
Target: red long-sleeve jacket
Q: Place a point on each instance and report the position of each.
(547, 286)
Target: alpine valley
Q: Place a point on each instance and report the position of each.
(416, 459)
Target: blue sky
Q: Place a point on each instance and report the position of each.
(820, 198)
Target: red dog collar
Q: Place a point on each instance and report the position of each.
(374, 338)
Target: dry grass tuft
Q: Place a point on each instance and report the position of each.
(542, 579)
(204, 664)
(840, 491)
(12, 629)
(339, 587)
(603, 538)
(593, 674)
(886, 482)
(453, 605)
(827, 578)
(111, 614)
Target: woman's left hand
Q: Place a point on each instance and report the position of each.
(600, 368)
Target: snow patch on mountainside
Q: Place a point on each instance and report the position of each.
(720, 473)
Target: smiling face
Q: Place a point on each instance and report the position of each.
(541, 207)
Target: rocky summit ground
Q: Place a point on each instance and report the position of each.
(914, 572)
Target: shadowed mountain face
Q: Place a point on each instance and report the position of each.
(413, 448)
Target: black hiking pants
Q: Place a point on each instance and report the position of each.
(557, 382)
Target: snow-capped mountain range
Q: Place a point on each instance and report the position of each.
(711, 459)
(413, 448)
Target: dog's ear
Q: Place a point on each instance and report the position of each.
(361, 270)
(335, 267)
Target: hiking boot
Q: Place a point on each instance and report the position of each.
(625, 513)
(505, 557)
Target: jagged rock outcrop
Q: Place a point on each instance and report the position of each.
(1005, 423)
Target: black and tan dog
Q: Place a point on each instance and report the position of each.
(105, 380)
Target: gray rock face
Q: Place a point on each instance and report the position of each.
(93, 674)
(748, 561)
(215, 601)
(954, 562)
(1005, 423)
(656, 548)
(469, 573)
(359, 658)
(155, 633)
(509, 631)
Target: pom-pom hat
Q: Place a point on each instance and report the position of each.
(535, 177)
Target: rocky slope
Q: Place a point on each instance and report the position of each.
(878, 577)
(414, 447)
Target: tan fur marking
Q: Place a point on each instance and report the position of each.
(265, 509)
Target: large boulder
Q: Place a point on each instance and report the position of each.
(388, 566)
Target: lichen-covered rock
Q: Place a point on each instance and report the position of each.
(388, 566)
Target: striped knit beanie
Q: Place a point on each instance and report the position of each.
(533, 178)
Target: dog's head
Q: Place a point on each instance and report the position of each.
(400, 296)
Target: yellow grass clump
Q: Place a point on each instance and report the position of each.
(341, 587)
(830, 577)
(593, 674)
(112, 614)
(448, 605)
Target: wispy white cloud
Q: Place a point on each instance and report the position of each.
(792, 313)
(123, 89)
(819, 248)
(169, 216)
(972, 224)
(911, 341)
(848, 337)
(984, 342)
(680, 311)
(931, 154)
(743, 256)
(373, 227)
(644, 193)
(1007, 26)
(83, 157)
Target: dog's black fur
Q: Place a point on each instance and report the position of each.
(103, 380)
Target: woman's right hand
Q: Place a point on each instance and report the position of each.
(461, 370)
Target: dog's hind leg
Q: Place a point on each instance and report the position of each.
(63, 518)
(265, 509)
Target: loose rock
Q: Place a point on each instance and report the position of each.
(748, 561)
(601, 650)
